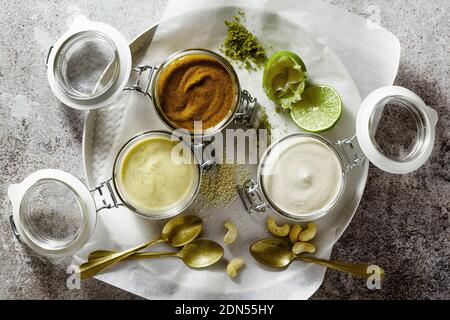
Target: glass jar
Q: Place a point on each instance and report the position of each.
(55, 213)
(352, 151)
(242, 106)
(90, 66)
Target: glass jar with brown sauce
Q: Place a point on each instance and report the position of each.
(199, 87)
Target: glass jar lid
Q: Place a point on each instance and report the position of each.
(396, 129)
(89, 66)
(54, 213)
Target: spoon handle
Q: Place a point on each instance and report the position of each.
(92, 267)
(356, 269)
(137, 255)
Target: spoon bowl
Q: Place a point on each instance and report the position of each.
(181, 230)
(201, 253)
(275, 253)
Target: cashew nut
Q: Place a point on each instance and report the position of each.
(277, 231)
(309, 233)
(295, 231)
(300, 247)
(231, 234)
(234, 265)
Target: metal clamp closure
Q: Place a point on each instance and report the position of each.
(147, 79)
(351, 151)
(251, 198)
(14, 228)
(49, 51)
(246, 109)
(104, 196)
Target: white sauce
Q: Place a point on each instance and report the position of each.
(302, 175)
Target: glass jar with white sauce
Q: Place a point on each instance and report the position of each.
(55, 213)
(303, 176)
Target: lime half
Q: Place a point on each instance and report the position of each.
(285, 78)
(319, 109)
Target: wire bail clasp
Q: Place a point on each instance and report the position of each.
(351, 151)
(251, 198)
(104, 196)
(246, 109)
(14, 228)
(144, 76)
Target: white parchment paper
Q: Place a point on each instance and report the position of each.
(340, 49)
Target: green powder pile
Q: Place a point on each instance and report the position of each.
(241, 46)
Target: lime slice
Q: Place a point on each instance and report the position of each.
(285, 78)
(319, 109)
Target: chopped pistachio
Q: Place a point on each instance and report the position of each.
(241, 46)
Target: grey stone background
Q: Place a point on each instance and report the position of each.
(402, 223)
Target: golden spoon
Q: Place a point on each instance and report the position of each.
(199, 253)
(177, 232)
(277, 253)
